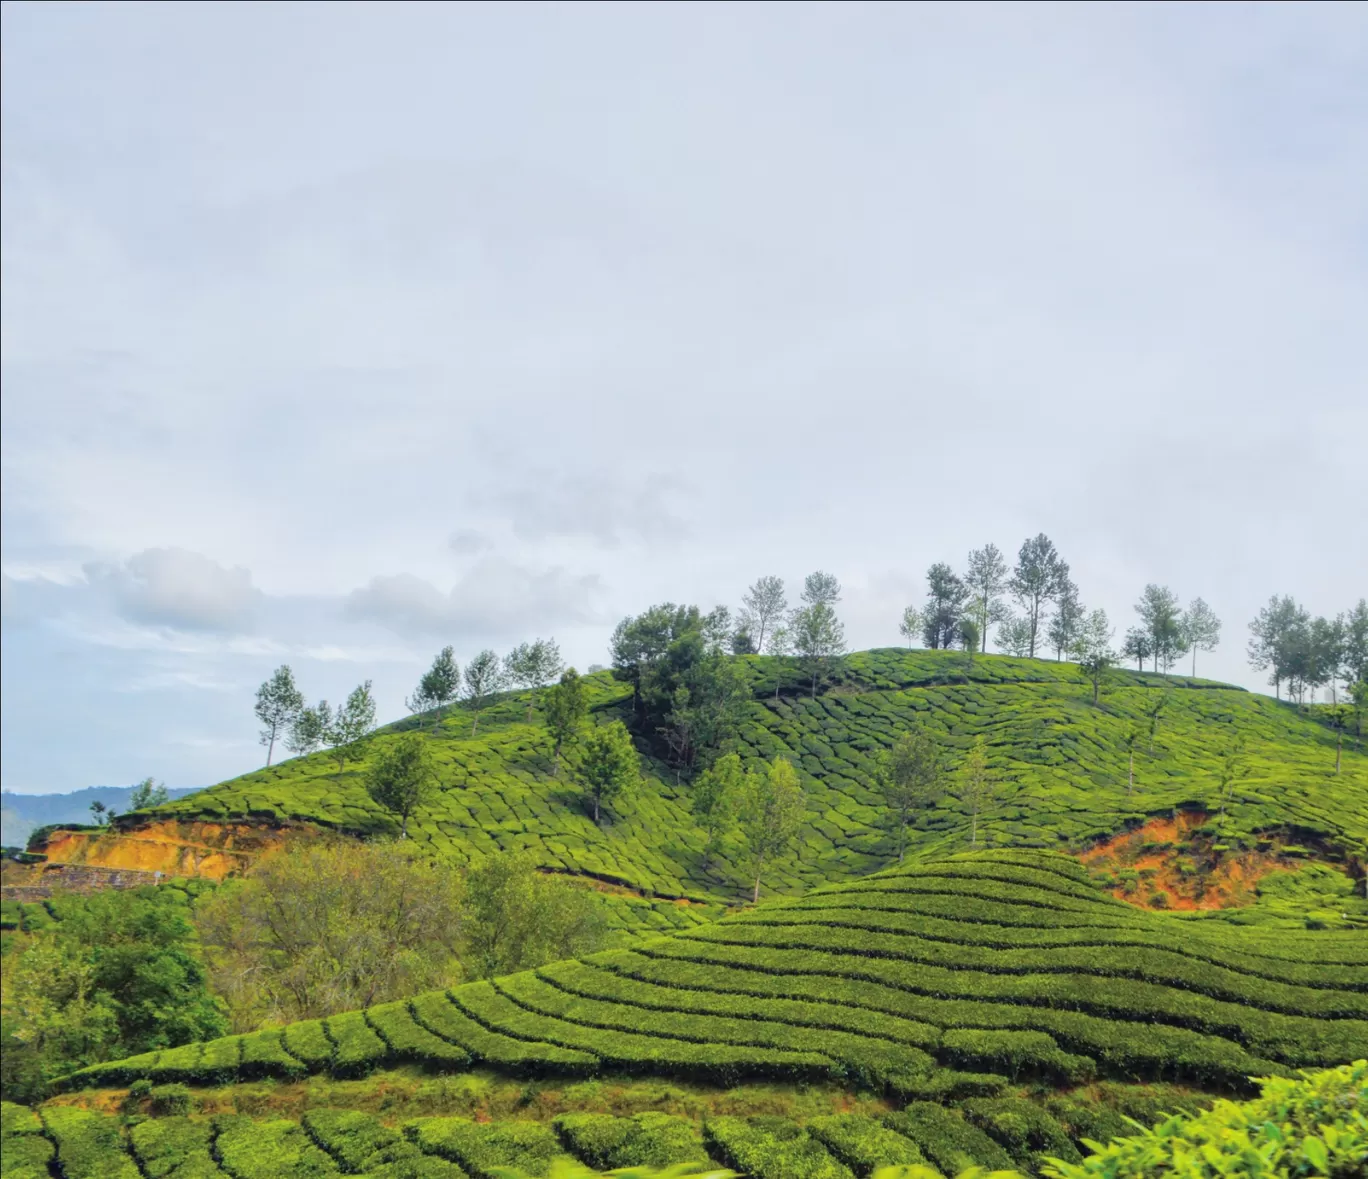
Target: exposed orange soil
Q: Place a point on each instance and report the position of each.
(1221, 880)
(211, 850)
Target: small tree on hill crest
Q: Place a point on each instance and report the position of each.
(351, 724)
(149, 792)
(483, 677)
(1092, 650)
(533, 665)
(278, 702)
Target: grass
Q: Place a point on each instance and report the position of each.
(957, 976)
(1062, 764)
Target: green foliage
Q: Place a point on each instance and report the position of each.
(609, 769)
(771, 808)
(910, 777)
(89, 1145)
(1315, 1125)
(147, 793)
(403, 778)
(329, 927)
(565, 708)
(713, 800)
(278, 702)
(863, 1143)
(114, 974)
(516, 917)
(950, 1142)
(647, 1139)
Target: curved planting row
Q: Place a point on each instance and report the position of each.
(997, 1132)
(822, 989)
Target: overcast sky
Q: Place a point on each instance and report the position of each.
(336, 333)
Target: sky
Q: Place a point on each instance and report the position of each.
(331, 334)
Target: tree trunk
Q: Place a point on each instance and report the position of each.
(596, 809)
(973, 831)
(403, 830)
(529, 709)
(270, 749)
(1194, 661)
(755, 897)
(1130, 783)
(902, 839)
(1339, 748)
(475, 728)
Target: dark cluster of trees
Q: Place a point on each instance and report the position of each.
(1306, 653)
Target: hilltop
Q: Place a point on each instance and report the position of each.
(1063, 765)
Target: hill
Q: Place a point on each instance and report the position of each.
(961, 974)
(1063, 764)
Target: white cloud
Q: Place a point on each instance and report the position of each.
(495, 598)
(180, 590)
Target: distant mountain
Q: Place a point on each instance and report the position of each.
(21, 814)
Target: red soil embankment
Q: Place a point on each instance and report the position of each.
(1176, 867)
(174, 848)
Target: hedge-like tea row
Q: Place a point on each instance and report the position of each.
(863, 1144)
(646, 1139)
(951, 1143)
(480, 1149)
(89, 1145)
(268, 1150)
(26, 1152)
(771, 1148)
(174, 1148)
(361, 1145)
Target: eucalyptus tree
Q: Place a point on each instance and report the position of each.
(278, 702)
(483, 677)
(911, 777)
(352, 723)
(819, 639)
(438, 687)
(1161, 618)
(987, 579)
(1201, 629)
(533, 665)
(1037, 580)
(946, 596)
(762, 609)
(1067, 621)
(771, 811)
(911, 625)
(565, 710)
(309, 728)
(1093, 651)
(403, 778)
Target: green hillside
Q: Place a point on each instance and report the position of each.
(958, 975)
(1061, 761)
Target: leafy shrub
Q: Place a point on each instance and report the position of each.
(267, 1150)
(1315, 1125)
(950, 1142)
(169, 1101)
(651, 1139)
(483, 1149)
(862, 1143)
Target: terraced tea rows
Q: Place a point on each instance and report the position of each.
(1063, 765)
(1314, 1125)
(948, 978)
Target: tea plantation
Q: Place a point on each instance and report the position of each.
(959, 976)
(1062, 764)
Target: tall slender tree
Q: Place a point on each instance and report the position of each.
(1201, 629)
(819, 639)
(565, 710)
(976, 787)
(309, 728)
(351, 724)
(1067, 621)
(1274, 638)
(1038, 579)
(1093, 651)
(483, 677)
(1137, 646)
(771, 811)
(1161, 617)
(987, 578)
(911, 777)
(533, 665)
(714, 798)
(278, 702)
(911, 625)
(762, 608)
(437, 688)
(780, 644)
